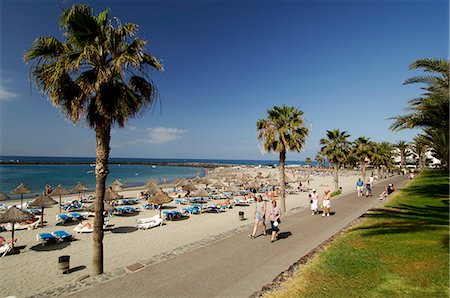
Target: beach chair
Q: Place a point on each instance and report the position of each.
(147, 206)
(32, 211)
(4, 249)
(76, 215)
(191, 210)
(172, 215)
(45, 238)
(62, 235)
(62, 217)
(147, 223)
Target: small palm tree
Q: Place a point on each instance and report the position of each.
(308, 160)
(319, 158)
(419, 148)
(100, 74)
(403, 152)
(335, 147)
(362, 149)
(282, 131)
(381, 157)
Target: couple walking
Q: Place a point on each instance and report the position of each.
(260, 218)
(326, 203)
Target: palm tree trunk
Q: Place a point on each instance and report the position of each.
(363, 170)
(103, 136)
(336, 176)
(282, 181)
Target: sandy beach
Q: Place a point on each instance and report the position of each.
(35, 269)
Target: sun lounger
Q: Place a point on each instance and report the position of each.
(147, 223)
(127, 202)
(45, 238)
(18, 226)
(63, 217)
(32, 211)
(191, 210)
(171, 215)
(83, 228)
(4, 206)
(76, 215)
(181, 201)
(126, 210)
(4, 249)
(62, 235)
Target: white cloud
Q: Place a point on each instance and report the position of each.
(132, 128)
(162, 135)
(6, 95)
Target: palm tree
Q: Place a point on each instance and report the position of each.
(403, 152)
(319, 158)
(381, 157)
(362, 149)
(335, 147)
(419, 148)
(98, 73)
(308, 160)
(282, 131)
(430, 111)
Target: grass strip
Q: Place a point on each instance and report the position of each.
(400, 250)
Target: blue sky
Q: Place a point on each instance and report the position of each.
(227, 62)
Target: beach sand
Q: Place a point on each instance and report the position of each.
(35, 269)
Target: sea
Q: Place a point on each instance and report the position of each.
(40, 172)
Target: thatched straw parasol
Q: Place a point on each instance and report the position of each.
(189, 187)
(4, 197)
(181, 183)
(21, 190)
(42, 202)
(13, 215)
(233, 188)
(272, 182)
(79, 188)
(287, 179)
(219, 184)
(111, 195)
(59, 191)
(150, 182)
(202, 193)
(106, 207)
(159, 199)
(116, 185)
(152, 189)
(254, 184)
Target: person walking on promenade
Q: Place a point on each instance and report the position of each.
(359, 187)
(314, 202)
(259, 216)
(368, 188)
(326, 203)
(274, 217)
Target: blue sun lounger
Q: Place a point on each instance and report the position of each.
(75, 215)
(45, 238)
(191, 210)
(171, 215)
(62, 235)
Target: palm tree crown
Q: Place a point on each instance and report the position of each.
(282, 131)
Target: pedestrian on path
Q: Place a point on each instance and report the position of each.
(259, 216)
(274, 217)
(326, 203)
(314, 202)
(389, 189)
(368, 188)
(359, 187)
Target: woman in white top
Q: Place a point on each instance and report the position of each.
(314, 202)
(259, 216)
(326, 203)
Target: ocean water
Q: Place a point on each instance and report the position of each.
(36, 176)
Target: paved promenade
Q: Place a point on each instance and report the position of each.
(238, 266)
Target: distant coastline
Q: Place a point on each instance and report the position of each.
(177, 164)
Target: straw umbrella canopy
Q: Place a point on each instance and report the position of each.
(150, 182)
(59, 191)
(189, 187)
(42, 202)
(106, 207)
(181, 183)
(116, 185)
(111, 195)
(202, 193)
(219, 184)
(152, 189)
(254, 184)
(13, 215)
(233, 188)
(287, 179)
(4, 197)
(272, 182)
(159, 199)
(79, 188)
(21, 190)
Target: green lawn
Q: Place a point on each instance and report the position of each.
(400, 250)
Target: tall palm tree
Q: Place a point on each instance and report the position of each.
(319, 158)
(430, 111)
(381, 157)
(98, 73)
(308, 160)
(419, 148)
(403, 151)
(282, 131)
(362, 149)
(335, 147)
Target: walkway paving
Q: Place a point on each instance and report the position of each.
(238, 266)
